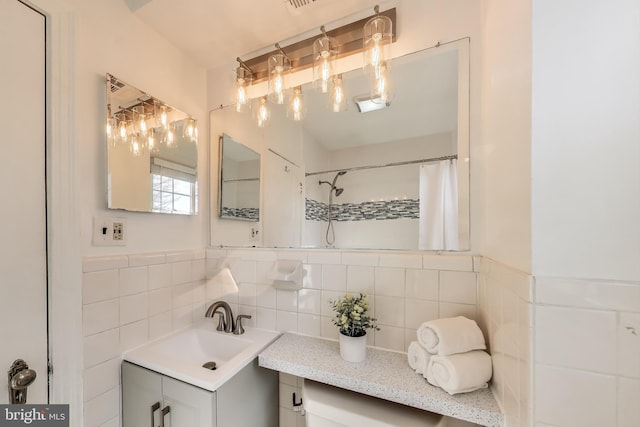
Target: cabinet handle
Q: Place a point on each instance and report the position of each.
(154, 408)
(165, 411)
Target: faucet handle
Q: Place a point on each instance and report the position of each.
(222, 325)
(239, 330)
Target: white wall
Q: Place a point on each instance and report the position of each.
(504, 154)
(585, 139)
(111, 39)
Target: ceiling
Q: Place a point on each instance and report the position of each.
(215, 32)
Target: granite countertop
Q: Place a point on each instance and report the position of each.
(384, 374)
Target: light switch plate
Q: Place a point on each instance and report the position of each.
(109, 231)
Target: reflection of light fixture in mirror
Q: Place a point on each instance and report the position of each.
(325, 50)
(338, 98)
(135, 146)
(262, 112)
(122, 126)
(244, 76)
(171, 137)
(279, 64)
(151, 141)
(377, 36)
(189, 129)
(366, 104)
(163, 118)
(296, 107)
(141, 121)
(112, 125)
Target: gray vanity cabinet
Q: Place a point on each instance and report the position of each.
(146, 395)
(249, 398)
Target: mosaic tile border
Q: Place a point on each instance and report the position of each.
(243, 213)
(381, 210)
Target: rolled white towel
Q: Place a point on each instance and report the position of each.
(418, 357)
(460, 373)
(450, 336)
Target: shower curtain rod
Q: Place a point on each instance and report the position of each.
(407, 162)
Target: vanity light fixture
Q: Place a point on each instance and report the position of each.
(279, 65)
(296, 107)
(325, 52)
(244, 76)
(372, 35)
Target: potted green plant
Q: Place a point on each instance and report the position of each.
(353, 321)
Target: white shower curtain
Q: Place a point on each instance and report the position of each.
(438, 225)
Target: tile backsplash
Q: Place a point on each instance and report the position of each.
(131, 299)
(404, 290)
(127, 301)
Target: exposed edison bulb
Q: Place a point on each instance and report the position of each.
(296, 105)
(170, 137)
(142, 124)
(241, 96)
(377, 38)
(244, 77)
(381, 88)
(189, 128)
(278, 83)
(278, 65)
(163, 118)
(135, 147)
(325, 50)
(338, 98)
(122, 130)
(262, 112)
(325, 72)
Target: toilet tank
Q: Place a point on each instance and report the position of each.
(328, 406)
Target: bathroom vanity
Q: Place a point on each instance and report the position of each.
(200, 377)
(384, 374)
(249, 398)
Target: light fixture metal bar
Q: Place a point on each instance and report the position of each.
(348, 37)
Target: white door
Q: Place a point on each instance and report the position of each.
(23, 256)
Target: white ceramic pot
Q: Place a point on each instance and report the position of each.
(353, 349)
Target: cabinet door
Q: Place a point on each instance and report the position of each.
(190, 406)
(141, 393)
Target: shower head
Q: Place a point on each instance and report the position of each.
(338, 191)
(335, 178)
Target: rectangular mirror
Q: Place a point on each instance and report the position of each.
(152, 154)
(239, 195)
(396, 178)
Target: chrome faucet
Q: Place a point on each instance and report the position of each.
(226, 323)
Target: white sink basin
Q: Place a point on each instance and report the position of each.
(182, 354)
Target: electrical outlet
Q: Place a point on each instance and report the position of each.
(109, 231)
(255, 234)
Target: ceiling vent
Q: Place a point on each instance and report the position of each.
(296, 7)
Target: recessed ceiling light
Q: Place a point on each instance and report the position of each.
(366, 104)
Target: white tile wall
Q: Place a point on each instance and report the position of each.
(587, 352)
(505, 318)
(402, 292)
(128, 300)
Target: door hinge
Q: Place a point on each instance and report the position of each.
(49, 368)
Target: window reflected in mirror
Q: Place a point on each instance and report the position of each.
(152, 153)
